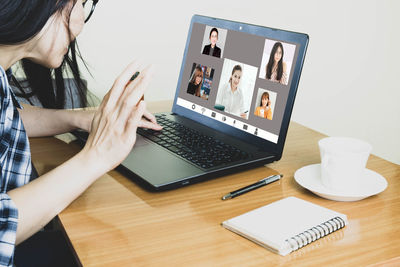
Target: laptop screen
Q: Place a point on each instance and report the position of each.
(238, 78)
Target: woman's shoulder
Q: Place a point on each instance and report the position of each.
(191, 88)
(225, 86)
(3, 82)
(284, 66)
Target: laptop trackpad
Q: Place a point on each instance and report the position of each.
(157, 165)
(140, 141)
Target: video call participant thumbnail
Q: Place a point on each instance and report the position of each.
(212, 49)
(200, 81)
(276, 67)
(230, 96)
(195, 82)
(264, 110)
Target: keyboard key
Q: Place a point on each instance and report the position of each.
(154, 138)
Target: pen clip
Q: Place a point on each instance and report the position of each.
(268, 178)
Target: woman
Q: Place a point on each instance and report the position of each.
(196, 82)
(40, 32)
(264, 110)
(276, 68)
(230, 96)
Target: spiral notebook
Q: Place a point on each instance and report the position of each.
(286, 225)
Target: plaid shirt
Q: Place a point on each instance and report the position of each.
(15, 164)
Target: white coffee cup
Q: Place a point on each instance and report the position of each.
(343, 162)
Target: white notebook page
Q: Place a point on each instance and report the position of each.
(272, 224)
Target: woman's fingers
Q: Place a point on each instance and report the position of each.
(150, 116)
(132, 95)
(143, 123)
(149, 121)
(121, 82)
(139, 85)
(135, 118)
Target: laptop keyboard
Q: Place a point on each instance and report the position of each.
(204, 151)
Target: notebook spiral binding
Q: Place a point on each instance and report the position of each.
(310, 235)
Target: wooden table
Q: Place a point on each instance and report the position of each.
(117, 223)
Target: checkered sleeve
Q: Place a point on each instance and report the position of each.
(8, 229)
(15, 168)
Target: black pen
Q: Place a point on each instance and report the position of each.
(251, 187)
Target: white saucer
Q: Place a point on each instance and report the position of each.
(309, 178)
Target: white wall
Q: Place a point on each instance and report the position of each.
(349, 85)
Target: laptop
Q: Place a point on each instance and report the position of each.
(232, 105)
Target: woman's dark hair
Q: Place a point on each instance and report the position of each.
(237, 67)
(213, 30)
(198, 72)
(264, 95)
(271, 63)
(20, 21)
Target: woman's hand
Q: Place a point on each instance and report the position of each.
(85, 119)
(113, 130)
(243, 115)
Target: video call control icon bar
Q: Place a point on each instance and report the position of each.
(222, 117)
